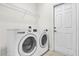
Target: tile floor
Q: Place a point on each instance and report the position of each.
(53, 53)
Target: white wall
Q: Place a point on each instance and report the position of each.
(21, 15)
(27, 6)
(15, 16)
(45, 11)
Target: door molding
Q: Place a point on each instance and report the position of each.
(58, 4)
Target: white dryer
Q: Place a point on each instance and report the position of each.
(22, 42)
(43, 41)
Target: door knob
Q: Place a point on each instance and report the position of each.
(54, 27)
(55, 31)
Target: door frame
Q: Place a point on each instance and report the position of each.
(77, 51)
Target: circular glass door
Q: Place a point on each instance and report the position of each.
(43, 40)
(27, 45)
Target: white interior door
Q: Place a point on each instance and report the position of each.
(65, 28)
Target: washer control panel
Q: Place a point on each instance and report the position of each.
(34, 30)
(30, 29)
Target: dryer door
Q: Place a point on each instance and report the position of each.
(27, 45)
(43, 40)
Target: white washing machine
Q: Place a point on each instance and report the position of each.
(43, 41)
(23, 42)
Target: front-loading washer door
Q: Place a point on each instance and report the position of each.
(27, 45)
(43, 39)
